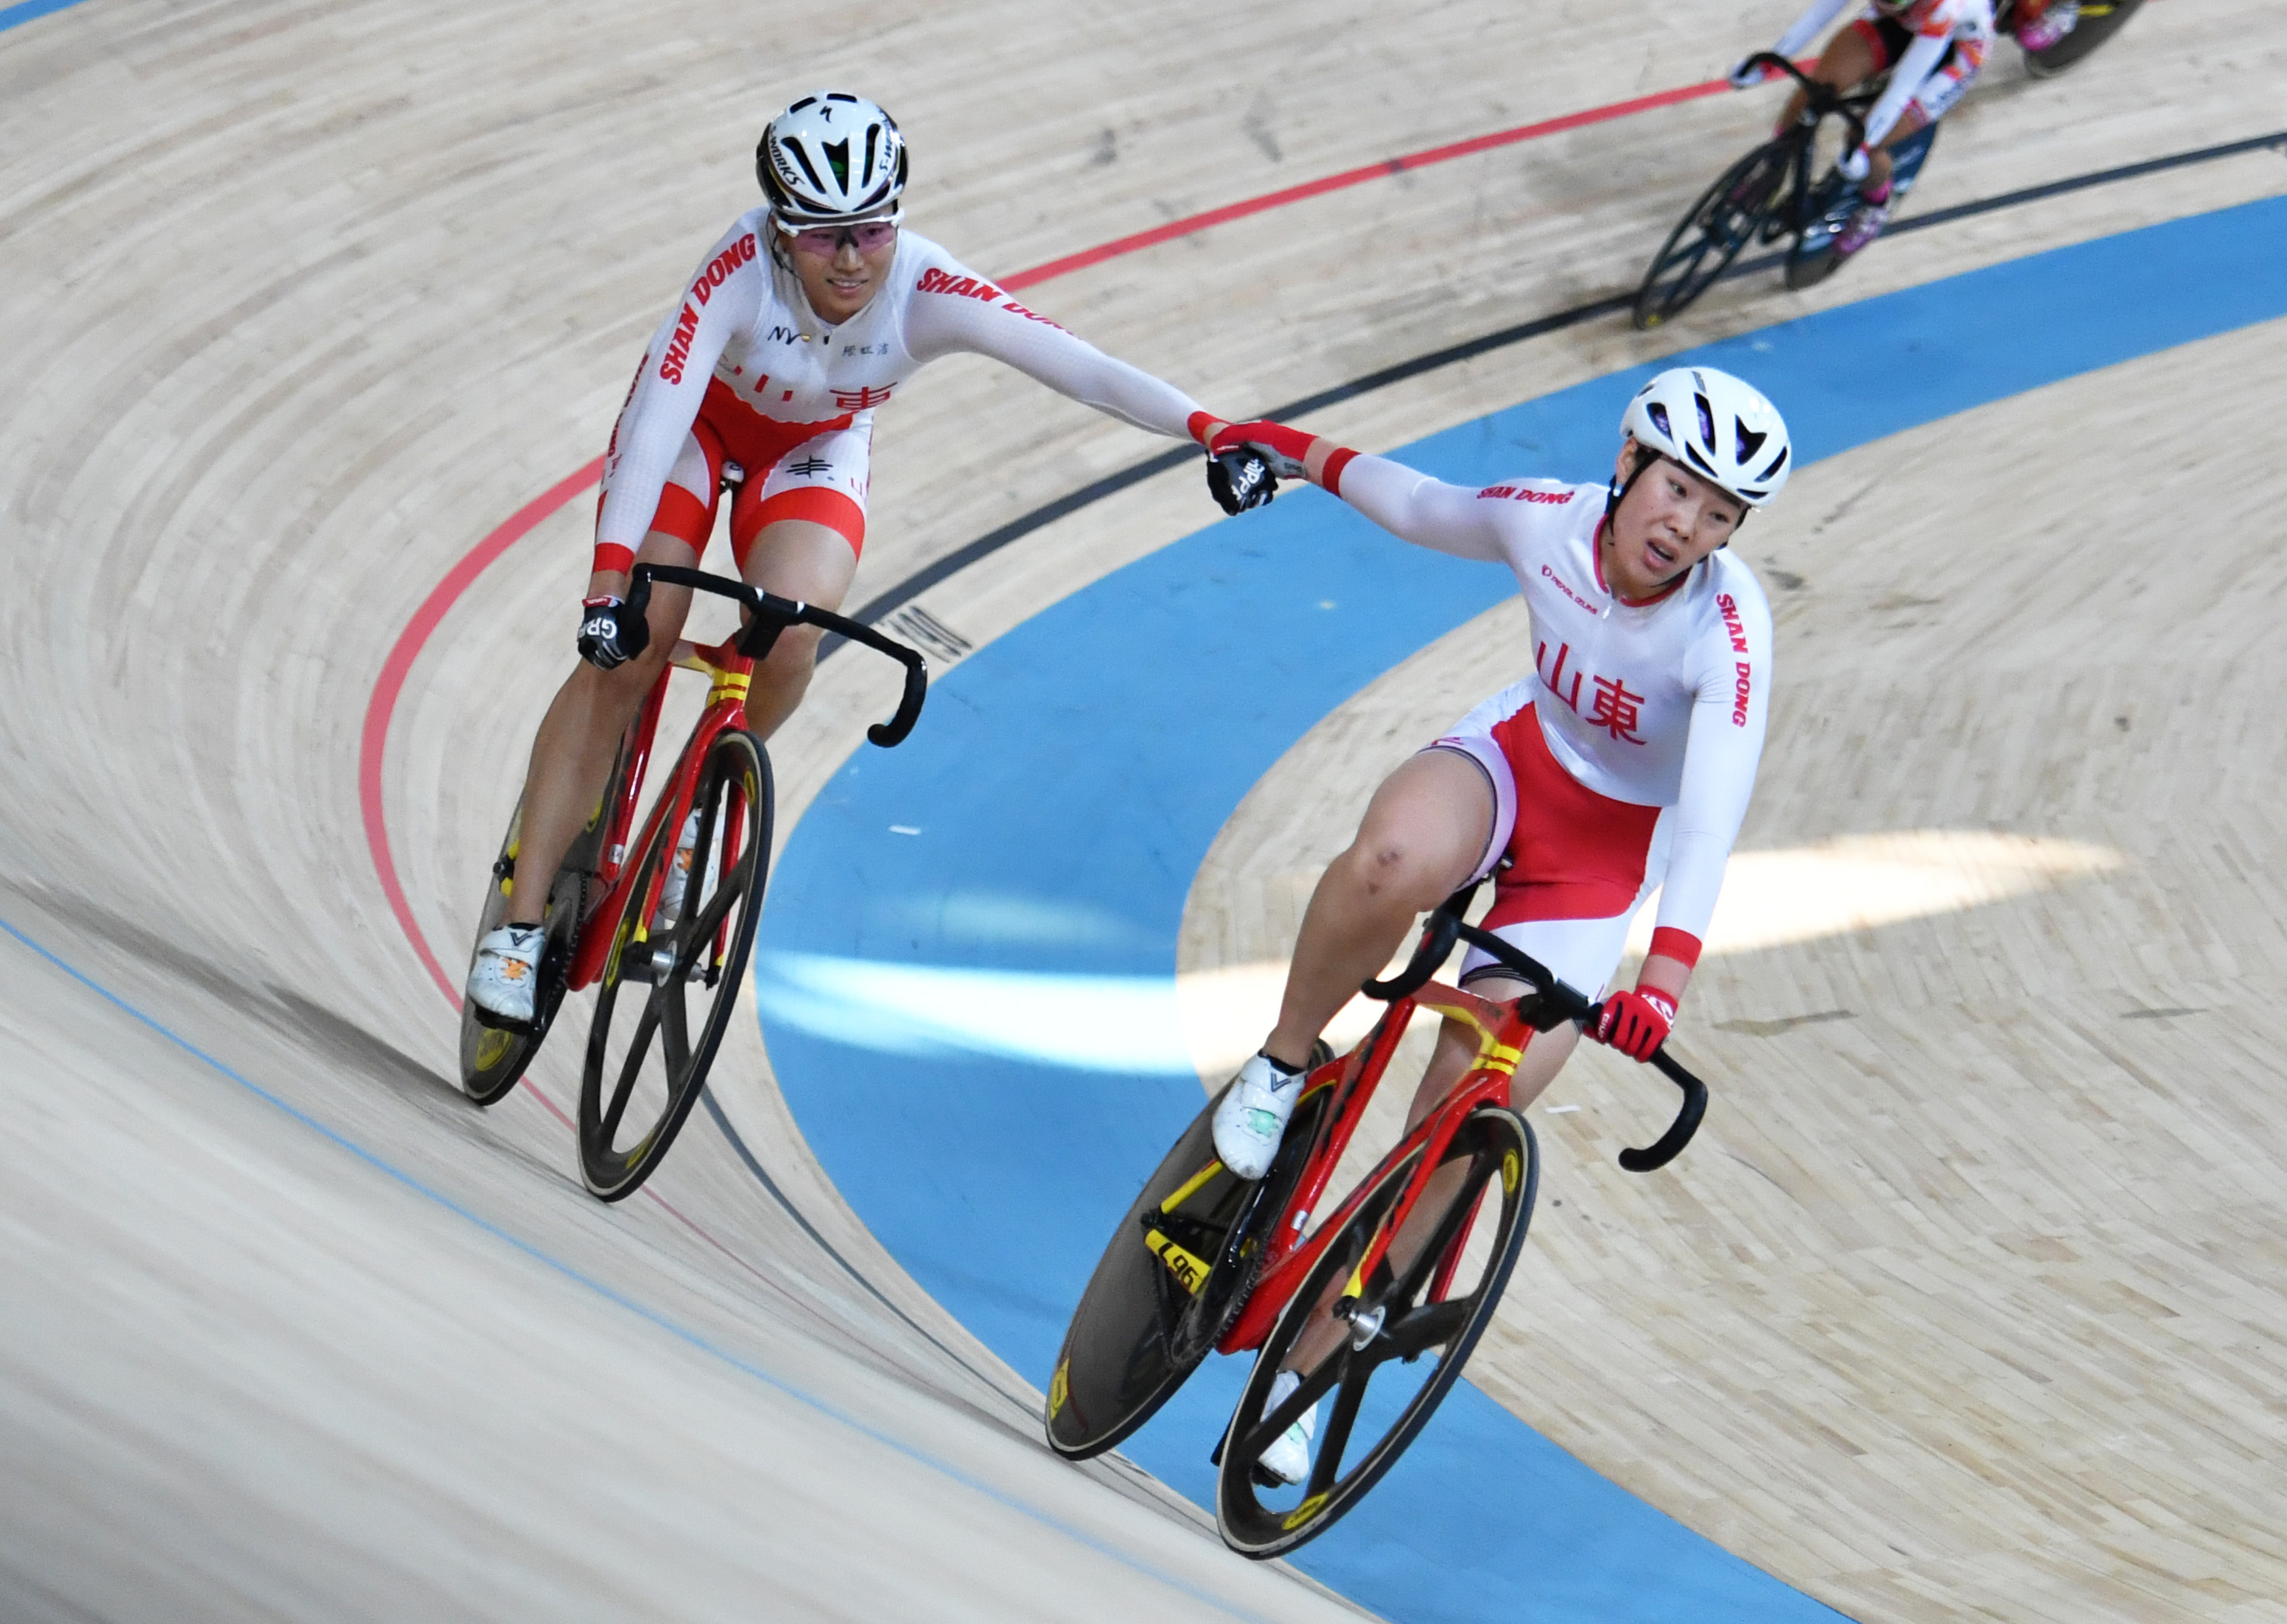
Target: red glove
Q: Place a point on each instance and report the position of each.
(1636, 1023)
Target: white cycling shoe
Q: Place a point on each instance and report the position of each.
(1289, 1458)
(503, 980)
(1252, 1118)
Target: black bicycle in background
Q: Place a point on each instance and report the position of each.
(1790, 187)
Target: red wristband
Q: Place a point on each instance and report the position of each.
(1195, 426)
(1331, 481)
(613, 560)
(1292, 443)
(1667, 942)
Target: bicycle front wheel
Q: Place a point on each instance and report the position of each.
(1398, 1347)
(671, 981)
(1710, 236)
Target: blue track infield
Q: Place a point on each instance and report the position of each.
(967, 974)
(24, 10)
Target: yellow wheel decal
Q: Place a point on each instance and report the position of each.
(1060, 1387)
(491, 1046)
(1512, 1170)
(1190, 1273)
(1304, 1512)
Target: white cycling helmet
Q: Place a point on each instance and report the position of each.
(1717, 426)
(831, 157)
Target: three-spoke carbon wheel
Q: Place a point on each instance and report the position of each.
(671, 981)
(493, 1057)
(1383, 1359)
(1707, 239)
(1177, 1273)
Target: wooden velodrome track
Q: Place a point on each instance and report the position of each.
(1965, 1308)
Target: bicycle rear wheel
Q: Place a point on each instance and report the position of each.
(2097, 23)
(1176, 1273)
(1436, 1306)
(647, 1066)
(1710, 236)
(493, 1059)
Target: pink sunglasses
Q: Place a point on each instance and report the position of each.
(825, 241)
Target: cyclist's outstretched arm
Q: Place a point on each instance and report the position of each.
(1408, 503)
(943, 320)
(1416, 508)
(1813, 22)
(1912, 72)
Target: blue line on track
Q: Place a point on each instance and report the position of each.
(24, 10)
(652, 1316)
(1066, 785)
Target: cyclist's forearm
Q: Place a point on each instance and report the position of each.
(1809, 26)
(1912, 72)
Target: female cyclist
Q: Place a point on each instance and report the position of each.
(1623, 763)
(1932, 50)
(805, 317)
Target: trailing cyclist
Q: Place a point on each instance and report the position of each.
(802, 319)
(1623, 764)
(1932, 50)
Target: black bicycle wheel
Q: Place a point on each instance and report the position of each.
(1710, 236)
(493, 1057)
(1382, 1391)
(2098, 22)
(1176, 1273)
(647, 1066)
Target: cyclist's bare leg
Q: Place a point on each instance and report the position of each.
(1423, 834)
(811, 563)
(1847, 60)
(572, 753)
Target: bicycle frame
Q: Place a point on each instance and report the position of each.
(731, 674)
(1503, 1032)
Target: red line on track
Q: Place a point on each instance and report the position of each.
(383, 706)
(374, 742)
(1191, 224)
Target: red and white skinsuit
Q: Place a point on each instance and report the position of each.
(1932, 49)
(744, 369)
(1626, 760)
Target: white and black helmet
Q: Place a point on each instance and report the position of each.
(831, 157)
(1717, 426)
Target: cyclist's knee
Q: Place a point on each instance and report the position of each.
(1399, 870)
(791, 659)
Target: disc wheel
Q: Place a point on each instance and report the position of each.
(1176, 1273)
(493, 1057)
(1396, 1353)
(671, 983)
(2097, 23)
(1710, 236)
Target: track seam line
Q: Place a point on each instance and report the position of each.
(619, 1299)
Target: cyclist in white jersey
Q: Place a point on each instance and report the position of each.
(1932, 50)
(1623, 763)
(803, 320)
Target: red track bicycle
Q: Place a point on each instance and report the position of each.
(673, 929)
(1379, 1306)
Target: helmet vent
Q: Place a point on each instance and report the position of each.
(1706, 420)
(1660, 419)
(1699, 462)
(808, 167)
(1778, 463)
(1750, 442)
